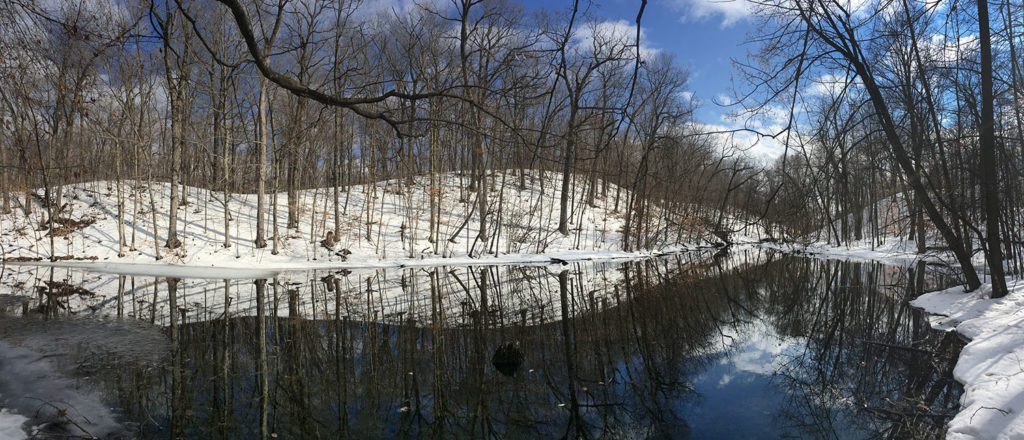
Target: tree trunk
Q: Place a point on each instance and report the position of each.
(221, 144)
(176, 128)
(260, 240)
(120, 199)
(5, 190)
(914, 179)
(989, 170)
(567, 164)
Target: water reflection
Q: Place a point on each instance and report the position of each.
(748, 344)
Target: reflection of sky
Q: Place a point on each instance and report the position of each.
(738, 398)
(741, 394)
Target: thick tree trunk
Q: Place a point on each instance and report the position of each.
(292, 177)
(176, 96)
(989, 170)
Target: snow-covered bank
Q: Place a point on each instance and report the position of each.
(44, 368)
(381, 223)
(893, 252)
(233, 269)
(10, 425)
(890, 240)
(991, 366)
(365, 294)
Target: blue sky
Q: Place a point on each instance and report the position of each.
(702, 38)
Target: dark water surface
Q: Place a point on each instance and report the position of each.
(747, 344)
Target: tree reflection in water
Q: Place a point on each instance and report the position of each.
(644, 349)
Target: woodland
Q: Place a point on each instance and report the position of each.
(904, 106)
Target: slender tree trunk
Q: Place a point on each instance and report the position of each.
(336, 171)
(260, 240)
(136, 186)
(567, 165)
(152, 209)
(481, 173)
(120, 199)
(220, 136)
(435, 212)
(277, 190)
(5, 189)
(172, 214)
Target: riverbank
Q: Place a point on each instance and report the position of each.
(381, 224)
(721, 330)
(234, 269)
(991, 365)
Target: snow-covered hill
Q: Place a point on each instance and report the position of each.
(386, 223)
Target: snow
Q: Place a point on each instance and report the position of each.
(162, 270)
(384, 224)
(892, 252)
(381, 294)
(10, 425)
(34, 384)
(991, 366)
(892, 245)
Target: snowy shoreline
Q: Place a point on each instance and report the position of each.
(991, 366)
(266, 271)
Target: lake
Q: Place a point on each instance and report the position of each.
(747, 343)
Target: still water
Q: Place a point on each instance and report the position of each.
(745, 344)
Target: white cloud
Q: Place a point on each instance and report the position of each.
(612, 37)
(760, 136)
(730, 11)
(752, 142)
(369, 10)
(829, 84)
(946, 51)
(735, 11)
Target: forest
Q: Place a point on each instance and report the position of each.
(338, 96)
(511, 218)
(508, 124)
